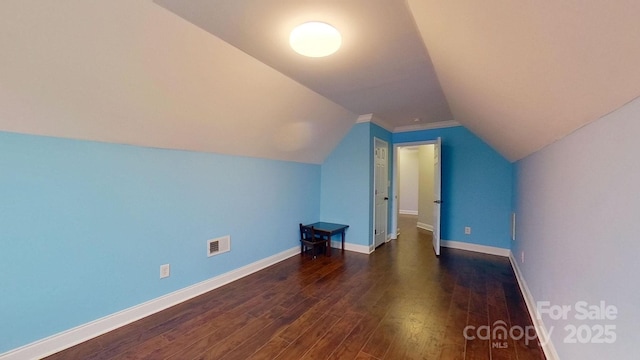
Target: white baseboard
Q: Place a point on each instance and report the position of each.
(491, 250)
(408, 212)
(424, 226)
(74, 336)
(364, 249)
(549, 350)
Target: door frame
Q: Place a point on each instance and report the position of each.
(396, 185)
(377, 141)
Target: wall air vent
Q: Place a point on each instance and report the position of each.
(219, 245)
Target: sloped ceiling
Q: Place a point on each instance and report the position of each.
(131, 72)
(382, 67)
(519, 74)
(522, 74)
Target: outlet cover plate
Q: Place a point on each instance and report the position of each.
(165, 271)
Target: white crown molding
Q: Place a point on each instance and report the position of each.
(364, 118)
(372, 119)
(427, 126)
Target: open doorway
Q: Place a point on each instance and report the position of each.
(415, 184)
(416, 181)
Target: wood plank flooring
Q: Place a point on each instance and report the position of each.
(401, 302)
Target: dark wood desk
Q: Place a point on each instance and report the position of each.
(329, 229)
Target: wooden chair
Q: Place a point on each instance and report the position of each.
(309, 240)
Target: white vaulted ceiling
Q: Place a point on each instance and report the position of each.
(131, 72)
(382, 67)
(218, 76)
(522, 74)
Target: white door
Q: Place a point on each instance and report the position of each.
(437, 174)
(381, 192)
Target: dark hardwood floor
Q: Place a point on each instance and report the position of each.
(401, 302)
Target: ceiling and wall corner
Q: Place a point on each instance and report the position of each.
(427, 126)
(382, 67)
(133, 73)
(218, 76)
(522, 75)
(375, 120)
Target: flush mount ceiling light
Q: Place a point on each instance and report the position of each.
(315, 39)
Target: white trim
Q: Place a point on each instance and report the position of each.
(491, 250)
(424, 226)
(427, 126)
(408, 212)
(373, 119)
(394, 177)
(541, 330)
(364, 249)
(55, 343)
(549, 350)
(379, 143)
(382, 124)
(364, 118)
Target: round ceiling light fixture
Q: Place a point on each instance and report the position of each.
(315, 39)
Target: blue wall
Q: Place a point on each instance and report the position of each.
(345, 192)
(84, 226)
(477, 186)
(347, 182)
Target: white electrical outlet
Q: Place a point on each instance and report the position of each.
(467, 230)
(165, 271)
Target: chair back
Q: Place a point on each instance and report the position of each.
(307, 233)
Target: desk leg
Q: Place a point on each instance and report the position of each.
(342, 240)
(329, 245)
